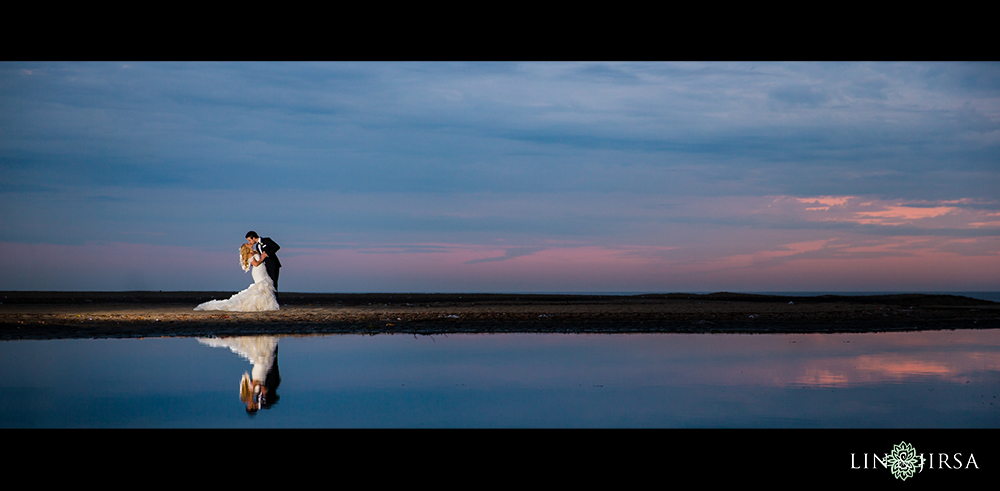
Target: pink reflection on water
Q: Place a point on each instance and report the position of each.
(893, 357)
(554, 361)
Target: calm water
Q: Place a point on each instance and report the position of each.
(910, 380)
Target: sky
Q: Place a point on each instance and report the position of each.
(502, 177)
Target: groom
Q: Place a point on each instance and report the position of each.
(267, 249)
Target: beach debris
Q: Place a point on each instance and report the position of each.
(791, 302)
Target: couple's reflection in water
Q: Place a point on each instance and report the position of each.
(259, 388)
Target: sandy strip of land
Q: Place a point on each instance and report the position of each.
(61, 315)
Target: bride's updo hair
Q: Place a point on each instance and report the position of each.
(245, 253)
(246, 389)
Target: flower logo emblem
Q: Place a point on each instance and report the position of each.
(902, 461)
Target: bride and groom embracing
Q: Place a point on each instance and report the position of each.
(258, 254)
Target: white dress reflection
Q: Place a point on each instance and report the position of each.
(258, 389)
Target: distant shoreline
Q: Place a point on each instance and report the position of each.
(68, 315)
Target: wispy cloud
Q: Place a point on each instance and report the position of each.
(629, 172)
(507, 254)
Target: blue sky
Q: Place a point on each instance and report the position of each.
(503, 176)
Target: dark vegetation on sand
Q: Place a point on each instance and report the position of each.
(356, 299)
(57, 315)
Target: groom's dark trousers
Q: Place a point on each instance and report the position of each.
(271, 262)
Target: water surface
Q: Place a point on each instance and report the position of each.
(938, 379)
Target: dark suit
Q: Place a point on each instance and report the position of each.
(271, 262)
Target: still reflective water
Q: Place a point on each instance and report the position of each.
(912, 380)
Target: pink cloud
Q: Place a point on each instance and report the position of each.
(747, 252)
(889, 212)
(826, 201)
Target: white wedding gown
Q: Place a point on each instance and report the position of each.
(259, 297)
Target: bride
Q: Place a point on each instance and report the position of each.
(258, 297)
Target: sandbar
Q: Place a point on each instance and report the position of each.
(67, 315)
